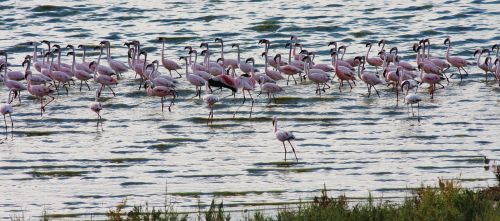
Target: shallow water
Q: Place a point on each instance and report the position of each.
(350, 143)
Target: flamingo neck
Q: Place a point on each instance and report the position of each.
(73, 64)
(108, 52)
(428, 50)
(275, 126)
(83, 58)
(290, 55)
(59, 59)
(238, 47)
(448, 51)
(163, 50)
(35, 56)
(368, 52)
(99, 59)
(265, 62)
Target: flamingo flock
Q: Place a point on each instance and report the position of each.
(237, 75)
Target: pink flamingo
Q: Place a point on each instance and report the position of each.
(243, 66)
(59, 76)
(370, 78)
(289, 70)
(7, 109)
(96, 107)
(455, 61)
(226, 62)
(193, 79)
(431, 79)
(323, 67)
(162, 92)
(319, 78)
(427, 66)
(195, 66)
(15, 87)
(407, 66)
(257, 76)
(375, 61)
(40, 91)
(37, 78)
(81, 75)
(170, 65)
(497, 71)
(275, 75)
(438, 62)
(37, 64)
(12, 75)
(103, 80)
(210, 100)
(85, 64)
(343, 73)
(61, 66)
(117, 66)
(283, 135)
(271, 89)
(101, 69)
(390, 57)
(270, 60)
(482, 66)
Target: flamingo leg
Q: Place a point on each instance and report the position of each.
(86, 83)
(81, 83)
(112, 91)
(5, 121)
(288, 80)
(369, 90)
(171, 103)
(180, 76)
(19, 96)
(294, 79)
(53, 98)
(284, 148)
(293, 151)
(64, 85)
(12, 126)
(376, 91)
(418, 112)
(161, 104)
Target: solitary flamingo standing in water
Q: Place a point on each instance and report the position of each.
(4, 110)
(210, 100)
(170, 65)
(455, 61)
(96, 107)
(283, 135)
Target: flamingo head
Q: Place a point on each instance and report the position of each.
(204, 44)
(478, 51)
(381, 42)
(47, 54)
(182, 58)
(495, 46)
(334, 43)
(381, 52)
(104, 43)
(358, 58)
(274, 120)
(45, 42)
(447, 41)
(70, 53)
(393, 49)
(304, 52)
(250, 60)
(263, 54)
(57, 46)
(70, 46)
(421, 42)
(368, 44)
(486, 51)
(81, 46)
(420, 66)
(288, 45)
(235, 45)
(342, 47)
(143, 52)
(333, 53)
(294, 38)
(188, 48)
(220, 59)
(263, 41)
(219, 40)
(276, 57)
(162, 39)
(203, 52)
(28, 57)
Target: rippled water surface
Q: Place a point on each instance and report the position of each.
(350, 143)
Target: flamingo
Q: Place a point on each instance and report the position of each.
(257, 76)
(390, 57)
(482, 66)
(497, 71)
(275, 75)
(36, 63)
(81, 75)
(103, 80)
(12, 75)
(343, 73)
(160, 91)
(96, 107)
(271, 89)
(283, 135)
(270, 60)
(84, 66)
(170, 65)
(193, 79)
(7, 109)
(210, 100)
(15, 87)
(226, 62)
(407, 66)
(39, 91)
(37, 78)
(61, 66)
(243, 66)
(117, 66)
(59, 76)
(319, 78)
(442, 64)
(288, 69)
(101, 69)
(375, 61)
(195, 66)
(323, 67)
(412, 99)
(371, 79)
(455, 61)
(431, 79)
